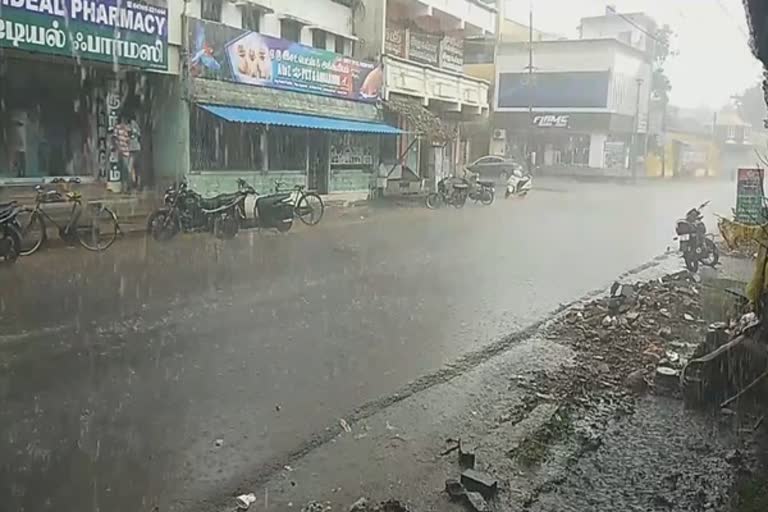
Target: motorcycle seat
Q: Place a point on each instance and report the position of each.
(460, 185)
(485, 183)
(4, 207)
(209, 203)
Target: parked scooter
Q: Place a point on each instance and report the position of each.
(270, 211)
(518, 183)
(10, 237)
(187, 211)
(696, 245)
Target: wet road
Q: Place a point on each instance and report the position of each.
(121, 371)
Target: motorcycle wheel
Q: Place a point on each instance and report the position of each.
(225, 226)
(11, 235)
(487, 198)
(713, 253)
(433, 201)
(284, 227)
(691, 263)
(161, 225)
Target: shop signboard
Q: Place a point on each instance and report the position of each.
(551, 121)
(394, 41)
(126, 32)
(749, 196)
(452, 54)
(424, 48)
(554, 90)
(220, 52)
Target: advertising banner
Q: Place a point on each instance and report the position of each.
(577, 89)
(125, 32)
(226, 53)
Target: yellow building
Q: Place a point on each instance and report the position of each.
(686, 154)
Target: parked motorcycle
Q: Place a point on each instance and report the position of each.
(187, 211)
(482, 192)
(450, 191)
(696, 245)
(518, 183)
(10, 237)
(270, 211)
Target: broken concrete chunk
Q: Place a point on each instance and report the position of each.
(688, 317)
(454, 488)
(467, 456)
(245, 500)
(632, 316)
(477, 481)
(476, 502)
(360, 505)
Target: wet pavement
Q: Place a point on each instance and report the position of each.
(121, 371)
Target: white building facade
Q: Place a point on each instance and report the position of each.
(583, 109)
(426, 93)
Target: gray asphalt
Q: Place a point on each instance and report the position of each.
(120, 371)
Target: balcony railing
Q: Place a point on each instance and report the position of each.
(429, 83)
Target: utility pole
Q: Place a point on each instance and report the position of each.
(529, 142)
(664, 138)
(636, 131)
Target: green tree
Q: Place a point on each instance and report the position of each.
(751, 105)
(661, 85)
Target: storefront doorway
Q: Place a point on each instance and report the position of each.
(318, 163)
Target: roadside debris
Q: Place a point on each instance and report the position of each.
(245, 500)
(345, 426)
(477, 502)
(476, 481)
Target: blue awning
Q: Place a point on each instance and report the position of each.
(249, 115)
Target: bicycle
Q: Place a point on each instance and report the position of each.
(307, 206)
(97, 233)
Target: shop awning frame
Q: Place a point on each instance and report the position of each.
(268, 117)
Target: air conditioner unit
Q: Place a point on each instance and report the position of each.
(499, 134)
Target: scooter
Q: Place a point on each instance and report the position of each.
(518, 183)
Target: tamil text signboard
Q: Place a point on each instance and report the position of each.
(123, 32)
(749, 196)
(221, 52)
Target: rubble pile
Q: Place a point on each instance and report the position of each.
(638, 336)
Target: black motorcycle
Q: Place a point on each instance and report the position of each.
(187, 211)
(10, 237)
(697, 247)
(455, 194)
(482, 192)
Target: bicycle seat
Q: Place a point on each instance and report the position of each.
(74, 196)
(300, 187)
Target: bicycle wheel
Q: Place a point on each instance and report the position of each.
(98, 230)
(31, 231)
(310, 208)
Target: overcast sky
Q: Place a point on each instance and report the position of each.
(714, 60)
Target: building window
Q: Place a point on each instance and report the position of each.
(287, 149)
(251, 18)
(210, 10)
(290, 30)
(318, 39)
(730, 134)
(221, 145)
(339, 45)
